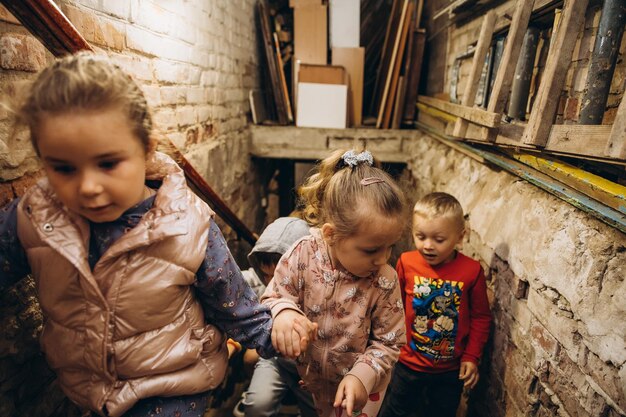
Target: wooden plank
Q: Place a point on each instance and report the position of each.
(506, 70)
(283, 80)
(418, 13)
(478, 61)
(473, 114)
(391, 99)
(586, 141)
(45, 20)
(353, 60)
(257, 107)
(436, 113)
(322, 74)
(616, 146)
(385, 55)
(310, 40)
(559, 58)
(582, 141)
(579, 139)
(391, 77)
(397, 107)
(345, 23)
(272, 65)
(301, 143)
(607, 192)
(295, 70)
(449, 8)
(306, 3)
(414, 73)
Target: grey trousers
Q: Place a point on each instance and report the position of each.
(271, 381)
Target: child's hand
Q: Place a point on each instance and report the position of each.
(233, 347)
(292, 332)
(469, 374)
(350, 395)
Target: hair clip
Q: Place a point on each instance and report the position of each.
(371, 180)
(353, 159)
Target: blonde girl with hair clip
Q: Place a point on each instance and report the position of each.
(138, 287)
(338, 277)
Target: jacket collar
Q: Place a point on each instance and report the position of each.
(68, 233)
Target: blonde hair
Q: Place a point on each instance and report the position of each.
(438, 204)
(336, 191)
(84, 82)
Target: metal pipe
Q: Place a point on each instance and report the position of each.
(520, 88)
(603, 60)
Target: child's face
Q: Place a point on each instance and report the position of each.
(268, 272)
(365, 252)
(436, 238)
(94, 162)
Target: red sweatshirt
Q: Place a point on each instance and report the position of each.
(447, 313)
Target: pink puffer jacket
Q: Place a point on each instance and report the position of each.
(131, 328)
(361, 320)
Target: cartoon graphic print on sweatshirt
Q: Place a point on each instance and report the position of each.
(436, 306)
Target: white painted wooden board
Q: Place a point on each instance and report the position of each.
(345, 23)
(322, 105)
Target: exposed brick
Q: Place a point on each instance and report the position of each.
(22, 53)
(609, 116)
(571, 109)
(172, 94)
(186, 115)
(170, 71)
(606, 375)
(153, 95)
(580, 79)
(152, 44)
(165, 118)
(83, 20)
(6, 193)
(120, 9)
(109, 35)
(140, 68)
(23, 183)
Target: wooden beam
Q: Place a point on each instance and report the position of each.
(46, 22)
(478, 61)
(579, 139)
(582, 141)
(317, 143)
(616, 146)
(472, 114)
(435, 112)
(559, 58)
(283, 80)
(506, 70)
(607, 192)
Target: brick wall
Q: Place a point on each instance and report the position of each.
(196, 61)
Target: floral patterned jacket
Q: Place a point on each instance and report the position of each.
(361, 320)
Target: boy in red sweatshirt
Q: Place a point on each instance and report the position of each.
(446, 311)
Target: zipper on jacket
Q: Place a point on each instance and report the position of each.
(327, 317)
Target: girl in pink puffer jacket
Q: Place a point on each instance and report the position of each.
(338, 277)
